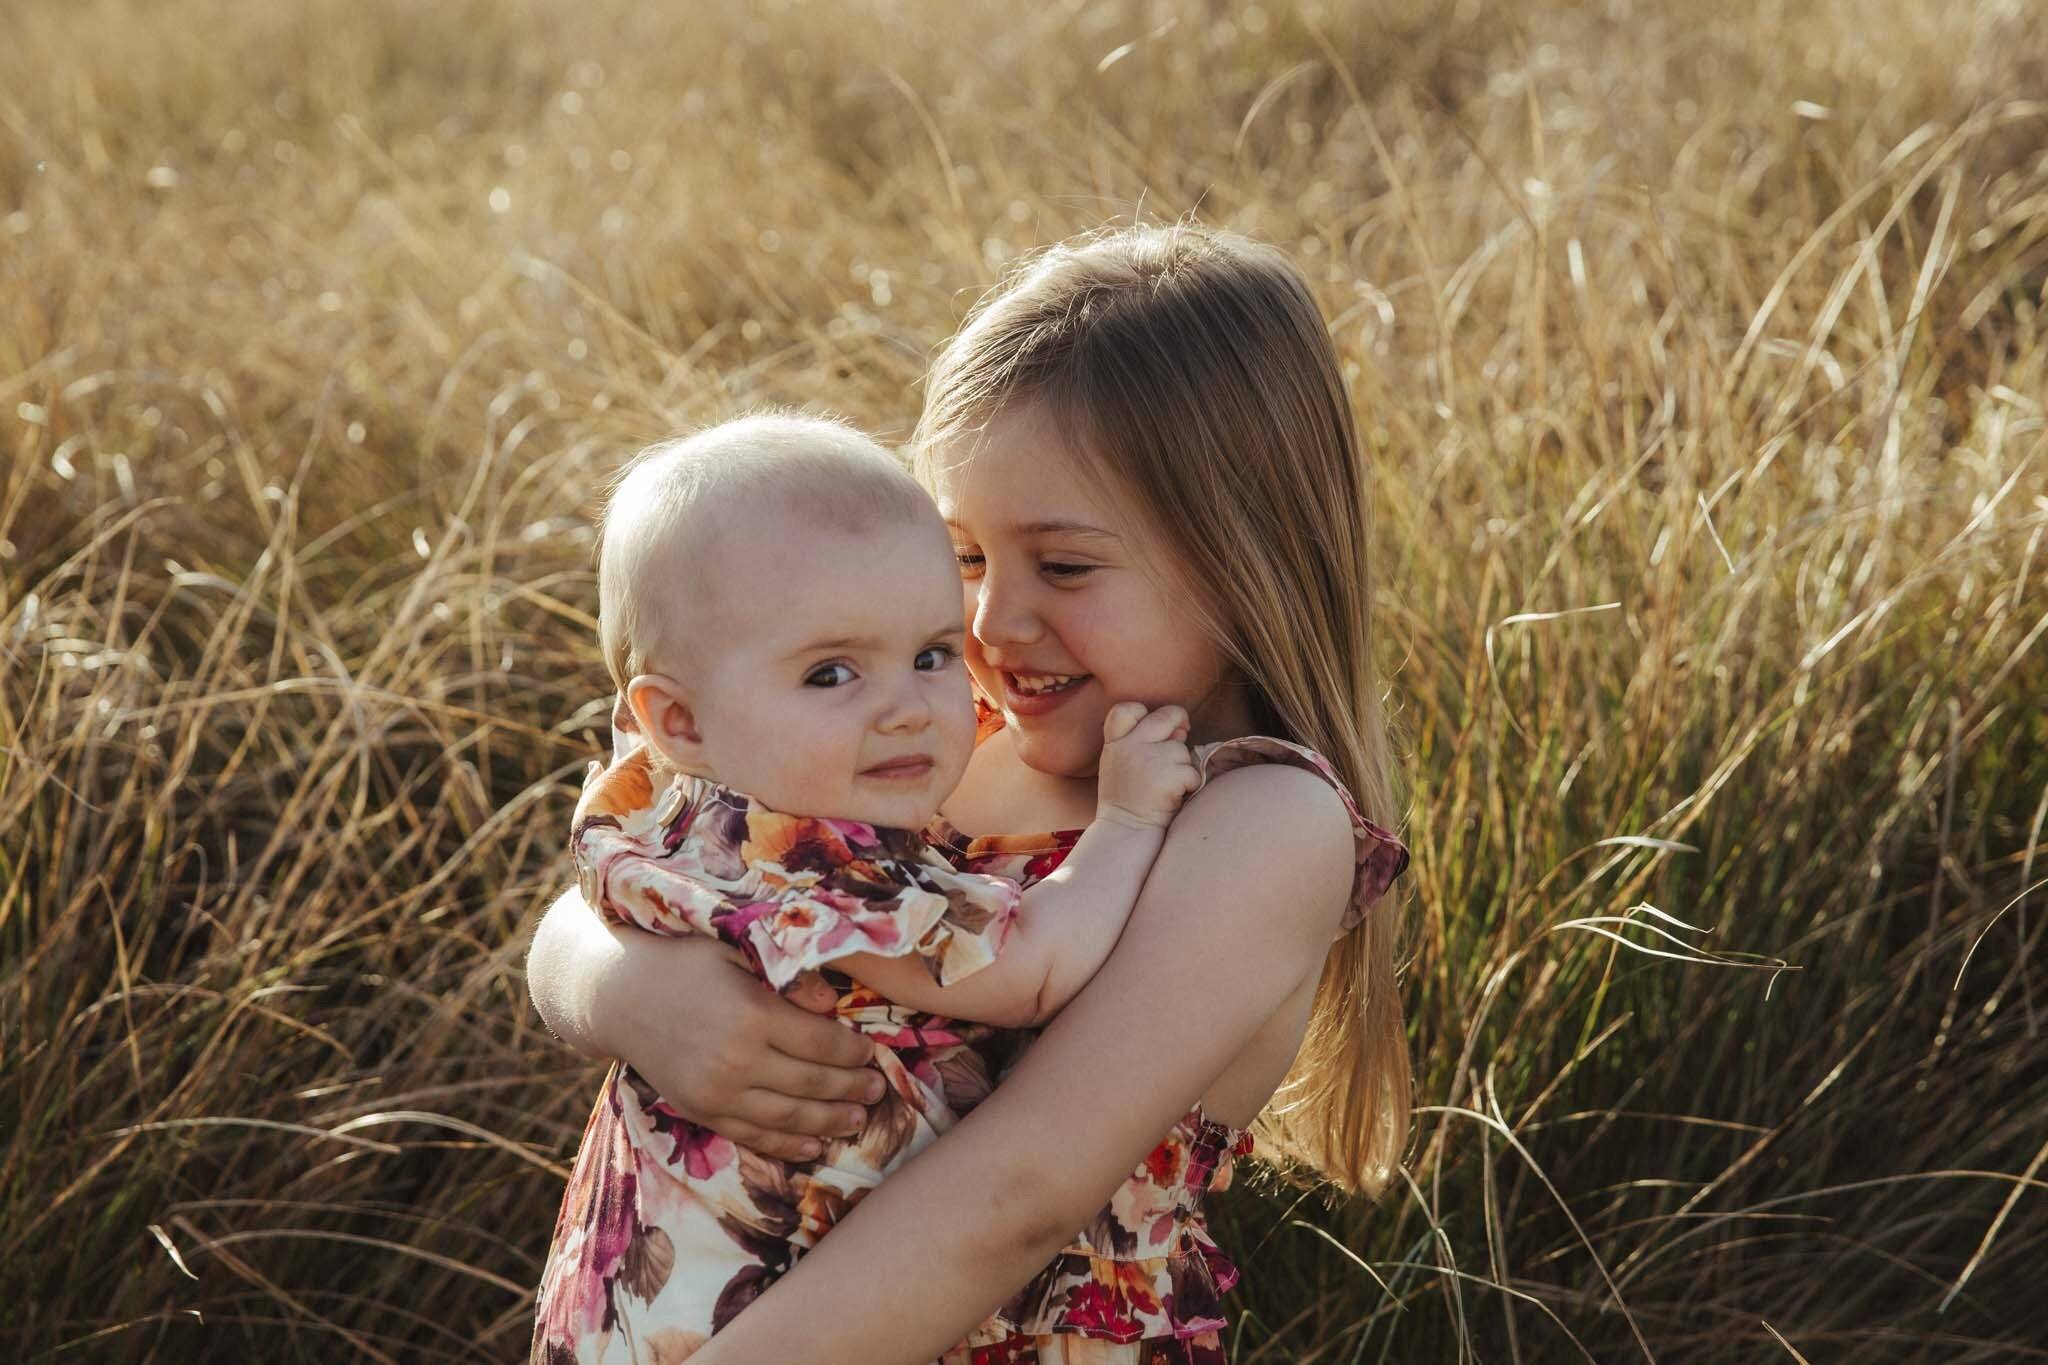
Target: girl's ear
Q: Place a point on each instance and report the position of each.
(667, 721)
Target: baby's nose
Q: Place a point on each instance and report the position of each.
(910, 709)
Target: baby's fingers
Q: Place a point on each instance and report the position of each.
(1122, 719)
(1166, 722)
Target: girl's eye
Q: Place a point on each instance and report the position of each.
(942, 654)
(823, 671)
(970, 565)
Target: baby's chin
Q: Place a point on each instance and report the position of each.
(902, 813)
(915, 822)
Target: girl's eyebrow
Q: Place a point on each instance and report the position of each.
(1052, 528)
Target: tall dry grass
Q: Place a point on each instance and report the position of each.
(1702, 365)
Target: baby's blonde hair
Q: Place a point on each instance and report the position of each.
(1192, 375)
(657, 567)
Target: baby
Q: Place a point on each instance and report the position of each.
(781, 612)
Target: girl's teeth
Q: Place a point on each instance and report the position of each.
(1040, 683)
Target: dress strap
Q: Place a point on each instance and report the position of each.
(1380, 855)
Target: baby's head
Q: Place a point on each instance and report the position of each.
(780, 606)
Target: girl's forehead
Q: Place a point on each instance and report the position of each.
(1014, 473)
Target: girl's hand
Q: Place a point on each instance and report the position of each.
(723, 1050)
(1146, 769)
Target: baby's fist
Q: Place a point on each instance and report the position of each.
(1146, 768)
(1121, 719)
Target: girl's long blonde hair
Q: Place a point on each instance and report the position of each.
(1192, 375)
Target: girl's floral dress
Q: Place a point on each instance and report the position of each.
(667, 1230)
(1143, 1283)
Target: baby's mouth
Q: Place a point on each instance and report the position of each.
(917, 765)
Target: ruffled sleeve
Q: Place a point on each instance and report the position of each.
(870, 892)
(633, 864)
(792, 893)
(1380, 856)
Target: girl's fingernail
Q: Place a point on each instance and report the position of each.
(810, 1149)
(854, 1119)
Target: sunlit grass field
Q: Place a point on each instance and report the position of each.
(1701, 358)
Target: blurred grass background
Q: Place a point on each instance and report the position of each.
(1701, 360)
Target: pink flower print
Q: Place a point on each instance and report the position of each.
(1096, 1308)
(702, 1152)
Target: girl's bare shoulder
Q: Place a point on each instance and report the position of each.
(1278, 836)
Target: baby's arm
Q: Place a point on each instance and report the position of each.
(1067, 923)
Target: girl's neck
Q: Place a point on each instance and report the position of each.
(1224, 712)
(1000, 794)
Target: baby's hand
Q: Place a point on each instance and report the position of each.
(1146, 768)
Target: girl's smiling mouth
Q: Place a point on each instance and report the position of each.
(1035, 694)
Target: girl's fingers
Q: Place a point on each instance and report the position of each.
(787, 1146)
(809, 1081)
(796, 1032)
(773, 1112)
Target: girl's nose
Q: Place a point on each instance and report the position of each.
(1002, 618)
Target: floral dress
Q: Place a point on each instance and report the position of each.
(666, 1230)
(1142, 1284)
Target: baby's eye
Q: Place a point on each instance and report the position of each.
(943, 654)
(824, 671)
(969, 563)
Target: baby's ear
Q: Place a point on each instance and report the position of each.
(667, 721)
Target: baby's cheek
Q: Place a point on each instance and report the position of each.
(957, 752)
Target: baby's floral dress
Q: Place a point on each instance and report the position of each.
(666, 1229)
(1142, 1284)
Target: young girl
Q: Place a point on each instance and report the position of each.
(1144, 448)
(801, 709)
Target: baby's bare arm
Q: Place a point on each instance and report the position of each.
(1067, 923)
(1064, 930)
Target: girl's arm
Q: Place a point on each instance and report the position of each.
(723, 1052)
(1242, 905)
(1067, 924)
